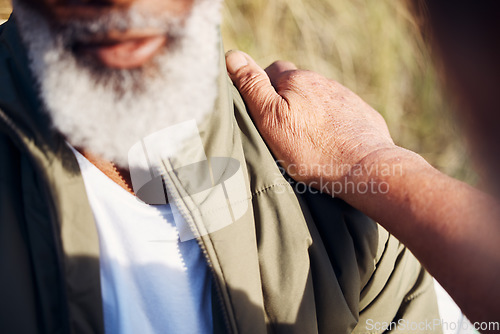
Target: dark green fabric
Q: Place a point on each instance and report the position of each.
(292, 264)
(60, 234)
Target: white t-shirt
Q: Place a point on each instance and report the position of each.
(151, 282)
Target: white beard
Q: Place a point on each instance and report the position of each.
(106, 112)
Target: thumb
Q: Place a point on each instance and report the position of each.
(253, 84)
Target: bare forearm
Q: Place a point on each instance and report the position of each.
(309, 121)
(451, 227)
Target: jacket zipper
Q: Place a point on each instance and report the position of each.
(190, 220)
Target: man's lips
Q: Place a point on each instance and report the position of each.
(124, 52)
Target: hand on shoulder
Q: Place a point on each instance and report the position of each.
(309, 121)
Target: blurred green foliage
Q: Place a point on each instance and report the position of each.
(372, 47)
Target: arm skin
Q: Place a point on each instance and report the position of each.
(452, 228)
(310, 121)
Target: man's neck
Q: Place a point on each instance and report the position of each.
(120, 176)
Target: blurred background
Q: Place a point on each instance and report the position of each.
(372, 47)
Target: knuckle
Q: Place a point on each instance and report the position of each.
(299, 78)
(282, 65)
(276, 63)
(250, 81)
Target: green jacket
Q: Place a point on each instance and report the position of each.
(291, 264)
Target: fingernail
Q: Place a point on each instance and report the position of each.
(234, 61)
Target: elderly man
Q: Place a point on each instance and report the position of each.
(105, 100)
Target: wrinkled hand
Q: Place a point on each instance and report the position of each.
(308, 121)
